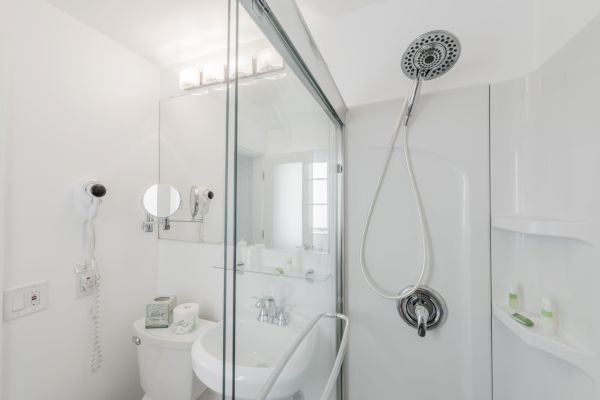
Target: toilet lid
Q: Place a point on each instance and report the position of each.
(166, 337)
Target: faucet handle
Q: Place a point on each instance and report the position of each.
(281, 317)
(267, 307)
(422, 314)
(263, 301)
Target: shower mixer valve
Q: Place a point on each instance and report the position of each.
(424, 310)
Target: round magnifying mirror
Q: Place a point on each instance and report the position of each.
(161, 200)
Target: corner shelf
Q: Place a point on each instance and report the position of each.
(546, 227)
(308, 275)
(559, 347)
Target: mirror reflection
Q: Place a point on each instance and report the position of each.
(161, 200)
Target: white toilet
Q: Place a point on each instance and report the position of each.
(165, 363)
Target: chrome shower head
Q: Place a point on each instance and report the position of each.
(431, 55)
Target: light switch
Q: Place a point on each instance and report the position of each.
(18, 302)
(24, 300)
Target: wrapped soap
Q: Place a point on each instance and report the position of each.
(159, 313)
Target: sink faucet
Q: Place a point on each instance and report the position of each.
(266, 309)
(269, 312)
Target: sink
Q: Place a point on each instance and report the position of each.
(259, 347)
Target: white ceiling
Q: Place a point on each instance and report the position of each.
(501, 39)
(364, 46)
(164, 32)
(361, 40)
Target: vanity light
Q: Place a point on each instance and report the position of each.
(245, 67)
(268, 60)
(213, 73)
(189, 79)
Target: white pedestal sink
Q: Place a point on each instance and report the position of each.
(259, 346)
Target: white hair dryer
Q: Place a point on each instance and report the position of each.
(88, 197)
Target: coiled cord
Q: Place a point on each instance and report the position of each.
(90, 245)
(400, 124)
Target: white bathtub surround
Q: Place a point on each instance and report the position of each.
(544, 132)
(449, 140)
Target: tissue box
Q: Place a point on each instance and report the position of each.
(159, 313)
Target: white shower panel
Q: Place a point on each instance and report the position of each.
(545, 237)
(450, 147)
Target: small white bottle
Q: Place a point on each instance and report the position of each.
(547, 316)
(513, 298)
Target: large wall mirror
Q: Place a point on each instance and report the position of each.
(283, 171)
(192, 149)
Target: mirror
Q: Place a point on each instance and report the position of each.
(284, 166)
(192, 158)
(161, 200)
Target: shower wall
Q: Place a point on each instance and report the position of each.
(81, 106)
(450, 148)
(544, 135)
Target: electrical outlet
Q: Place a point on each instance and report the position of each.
(85, 280)
(25, 300)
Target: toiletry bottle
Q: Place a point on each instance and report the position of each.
(548, 316)
(513, 298)
(289, 265)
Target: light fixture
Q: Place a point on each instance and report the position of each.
(213, 73)
(245, 67)
(268, 60)
(189, 79)
(267, 65)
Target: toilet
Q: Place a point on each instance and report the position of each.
(165, 364)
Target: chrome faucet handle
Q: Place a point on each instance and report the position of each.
(422, 315)
(267, 309)
(281, 317)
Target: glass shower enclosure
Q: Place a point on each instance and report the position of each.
(283, 321)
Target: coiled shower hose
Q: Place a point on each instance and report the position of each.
(401, 125)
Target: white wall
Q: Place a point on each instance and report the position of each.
(80, 106)
(544, 134)
(449, 138)
(555, 22)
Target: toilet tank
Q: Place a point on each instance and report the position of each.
(165, 363)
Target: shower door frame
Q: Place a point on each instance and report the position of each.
(285, 28)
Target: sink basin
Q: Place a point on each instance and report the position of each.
(259, 346)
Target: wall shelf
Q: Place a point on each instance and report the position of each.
(308, 275)
(550, 343)
(546, 227)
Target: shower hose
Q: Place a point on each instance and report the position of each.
(401, 125)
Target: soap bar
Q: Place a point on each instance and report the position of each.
(159, 313)
(523, 320)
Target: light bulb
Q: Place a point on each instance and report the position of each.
(268, 60)
(189, 79)
(213, 73)
(245, 67)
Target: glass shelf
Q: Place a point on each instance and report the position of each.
(308, 275)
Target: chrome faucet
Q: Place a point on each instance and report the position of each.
(269, 312)
(422, 314)
(266, 306)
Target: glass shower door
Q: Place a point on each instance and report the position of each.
(283, 277)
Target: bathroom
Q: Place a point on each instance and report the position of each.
(299, 199)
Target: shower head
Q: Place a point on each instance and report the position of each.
(431, 55)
